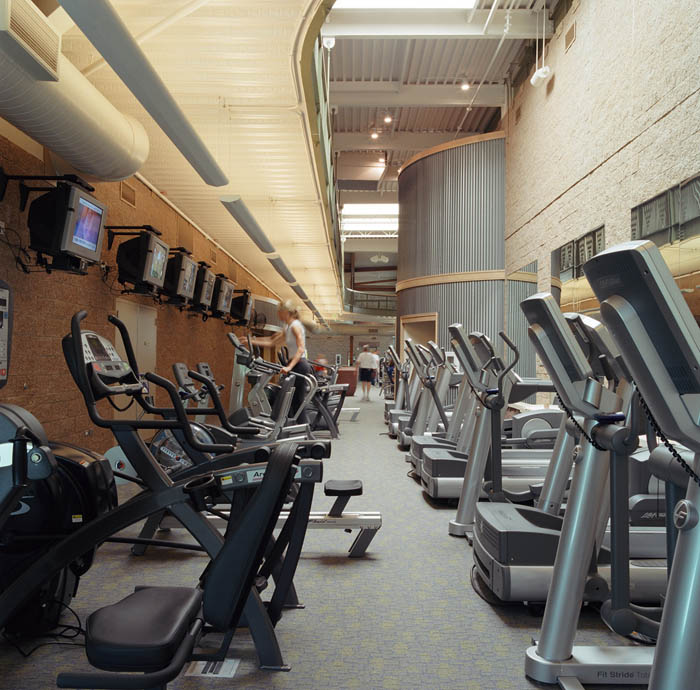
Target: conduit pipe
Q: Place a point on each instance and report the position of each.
(74, 120)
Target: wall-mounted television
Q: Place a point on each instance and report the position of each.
(222, 295)
(204, 286)
(180, 276)
(67, 222)
(142, 261)
(242, 307)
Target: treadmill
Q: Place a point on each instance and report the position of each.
(515, 546)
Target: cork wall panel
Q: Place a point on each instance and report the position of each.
(39, 379)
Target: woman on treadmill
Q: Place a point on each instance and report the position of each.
(293, 336)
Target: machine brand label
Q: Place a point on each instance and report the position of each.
(255, 475)
(76, 518)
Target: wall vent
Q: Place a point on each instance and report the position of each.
(30, 39)
(570, 37)
(127, 193)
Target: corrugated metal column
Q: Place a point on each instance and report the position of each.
(451, 235)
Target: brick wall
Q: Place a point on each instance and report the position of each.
(329, 345)
(44, 304)
(618, 123)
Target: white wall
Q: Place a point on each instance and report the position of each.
(618, 123)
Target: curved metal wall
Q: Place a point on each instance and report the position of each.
(452, 211)
(451, 220)
(478, 306)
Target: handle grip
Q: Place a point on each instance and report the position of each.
(179, 409)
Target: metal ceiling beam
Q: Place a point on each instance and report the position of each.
(426, 23)
(391, 94)
(399, 141)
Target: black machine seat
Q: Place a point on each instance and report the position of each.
(343, 487)
(143, 631)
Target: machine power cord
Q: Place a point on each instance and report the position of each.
(64, 632)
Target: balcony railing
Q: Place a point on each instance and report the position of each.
(376, 303)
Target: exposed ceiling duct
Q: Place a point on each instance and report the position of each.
(106, 31)
(68, 116)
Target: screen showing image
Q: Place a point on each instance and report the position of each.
(97, 348)
(228, 294)
(160, 256)
(208, 289)
(87, 226)
(188, 277)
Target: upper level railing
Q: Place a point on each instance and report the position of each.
(376, 303)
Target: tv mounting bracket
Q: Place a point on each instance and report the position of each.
(25, 190)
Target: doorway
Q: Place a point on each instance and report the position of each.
(418, 327)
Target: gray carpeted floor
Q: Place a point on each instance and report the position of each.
(403, 617)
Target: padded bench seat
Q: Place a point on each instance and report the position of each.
(142, 632)
(343, 487)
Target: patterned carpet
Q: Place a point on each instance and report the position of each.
(404, 617)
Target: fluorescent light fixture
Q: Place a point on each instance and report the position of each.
(300, 292)
(404, 5)
(235, 206)
(103, 27)
(282, 269)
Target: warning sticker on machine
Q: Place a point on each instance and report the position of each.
(76, 518)
(213, 669)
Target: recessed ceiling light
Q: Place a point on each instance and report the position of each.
(464, 86)
(387, 119)
(374, 135)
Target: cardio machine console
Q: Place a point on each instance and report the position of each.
(105, 363)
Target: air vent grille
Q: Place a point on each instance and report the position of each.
(570, 37)
(30, 38)
(127, 193)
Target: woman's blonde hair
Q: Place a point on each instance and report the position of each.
(293, 308)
